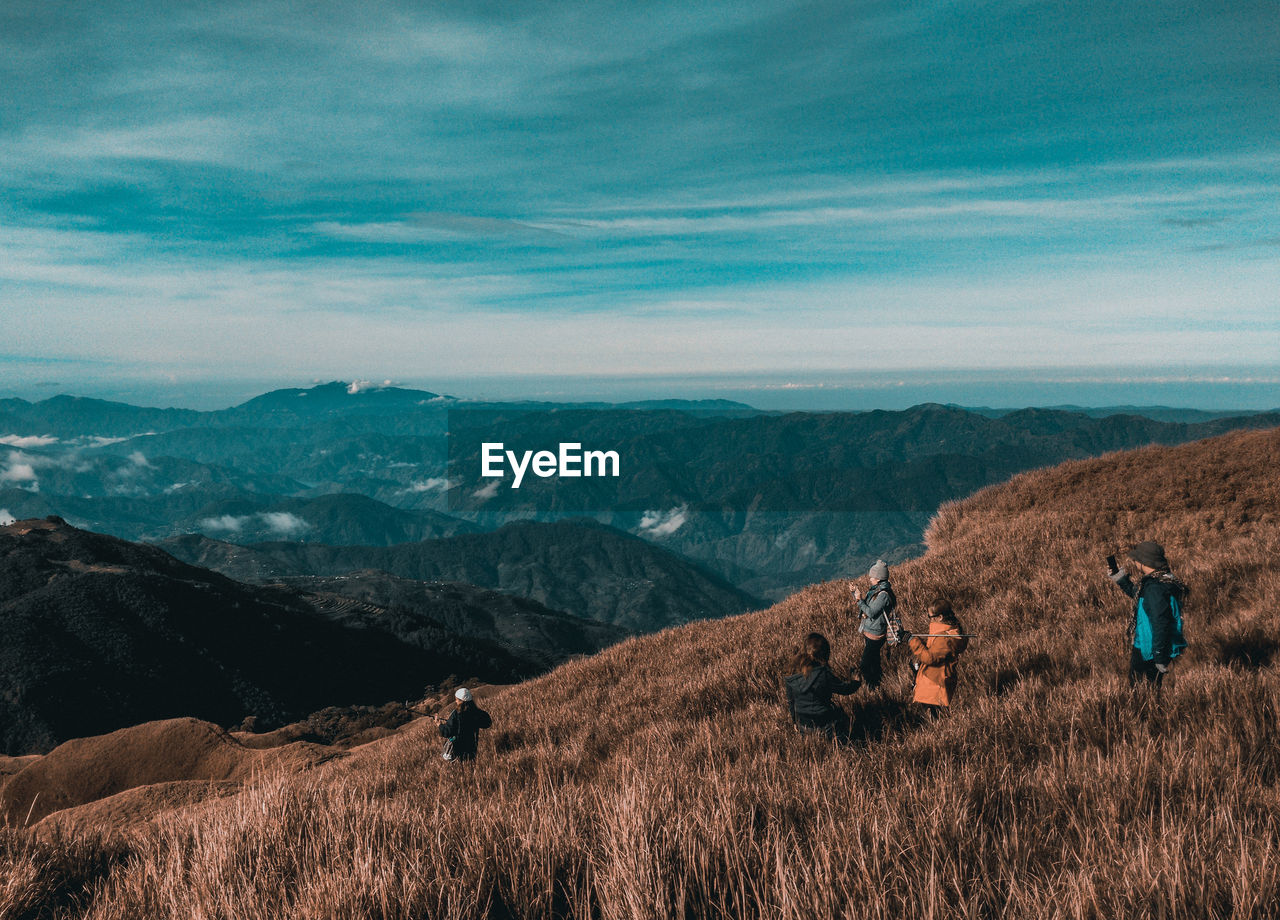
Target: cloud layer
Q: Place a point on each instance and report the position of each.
(279, 523)
(630, 188)
(663, 524)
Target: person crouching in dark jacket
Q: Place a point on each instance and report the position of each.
(809, 690)
(463, 726)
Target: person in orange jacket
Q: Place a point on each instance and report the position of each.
(937, 654)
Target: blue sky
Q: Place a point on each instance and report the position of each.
(223, 191)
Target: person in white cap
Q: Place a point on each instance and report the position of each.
(462, 728)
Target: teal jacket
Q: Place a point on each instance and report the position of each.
(1157, 615)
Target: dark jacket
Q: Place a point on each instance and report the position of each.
(1156, 626)
(809, 696)
(463, 726)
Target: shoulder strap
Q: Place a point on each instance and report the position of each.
(882, 588)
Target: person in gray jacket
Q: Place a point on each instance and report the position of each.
(879, 619)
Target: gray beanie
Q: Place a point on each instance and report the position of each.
(879, 571)
(1149, 553)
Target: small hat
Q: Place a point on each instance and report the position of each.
(879, 571)
(1149, 553)
(463, 695)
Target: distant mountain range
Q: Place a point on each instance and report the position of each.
(100, 633)
(1157, 413)
(777, 502)
(236, 514)
(425, 612)
(584, 568)
(770, 502)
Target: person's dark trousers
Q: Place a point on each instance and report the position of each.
(870, 664)
(1142, 671)
(837, 729)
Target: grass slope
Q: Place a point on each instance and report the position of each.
(660, 778)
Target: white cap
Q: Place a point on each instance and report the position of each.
(463, 694)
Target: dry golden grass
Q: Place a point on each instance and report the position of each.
(660, 778)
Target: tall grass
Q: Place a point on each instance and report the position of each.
(660, 779)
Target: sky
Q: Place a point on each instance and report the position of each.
(231, 194)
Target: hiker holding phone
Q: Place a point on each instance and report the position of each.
(879, 620)
(1156, 625)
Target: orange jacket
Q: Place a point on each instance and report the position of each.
(936, 679)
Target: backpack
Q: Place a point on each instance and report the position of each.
(893, 622)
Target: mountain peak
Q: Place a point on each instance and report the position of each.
(338, 395)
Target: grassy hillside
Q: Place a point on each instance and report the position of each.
(661, 779)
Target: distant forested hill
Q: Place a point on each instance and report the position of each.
(584, 568)
(775, 502)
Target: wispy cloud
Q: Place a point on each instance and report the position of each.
(663, 524)
(284, 523)
(280, 523)
(364, 386)
(658, 184)
(432, 484)
(14, 440)
(225, 523)
(20, 472)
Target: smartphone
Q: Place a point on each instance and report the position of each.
(1111, 565)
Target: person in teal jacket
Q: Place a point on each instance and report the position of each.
(1156, 626)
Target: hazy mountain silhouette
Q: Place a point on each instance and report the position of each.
(580, 567)
(768, 501)
(76, 416)
(421, 612)
(775, 502)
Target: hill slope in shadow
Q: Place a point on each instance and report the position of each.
(100, 634)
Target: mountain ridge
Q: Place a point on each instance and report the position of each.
(582, 567)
